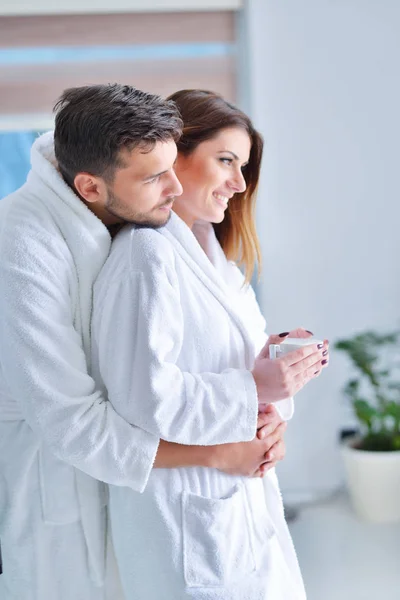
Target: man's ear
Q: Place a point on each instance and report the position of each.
(89, 187)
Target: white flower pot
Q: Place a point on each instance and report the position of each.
(373, 480)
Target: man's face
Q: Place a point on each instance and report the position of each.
(143, 189)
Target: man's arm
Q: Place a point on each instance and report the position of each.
(249, 459)
(43, 362)
(44, 365)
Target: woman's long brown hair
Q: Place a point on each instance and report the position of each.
(204, 115)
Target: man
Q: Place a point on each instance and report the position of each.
(58, 434)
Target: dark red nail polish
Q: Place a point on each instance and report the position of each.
(320, 346)
(323, 362)
(316, 372)
(284, 334)
(309, 332)
(325, 352)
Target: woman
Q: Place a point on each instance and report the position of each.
(195, 532)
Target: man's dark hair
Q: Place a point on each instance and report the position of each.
(94, 123)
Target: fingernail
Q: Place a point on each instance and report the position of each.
(284, 334)
(309, 332)
(325, 352)
(323, 362)
(316, 372)
(320, 346)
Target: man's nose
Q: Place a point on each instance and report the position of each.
(176, 186)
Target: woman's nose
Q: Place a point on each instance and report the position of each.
(237, 182)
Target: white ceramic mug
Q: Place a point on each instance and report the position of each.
(290, 344)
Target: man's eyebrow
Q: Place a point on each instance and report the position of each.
(229, 152)
(154, 175)
(161, 172)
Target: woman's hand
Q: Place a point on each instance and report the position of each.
(285, 376)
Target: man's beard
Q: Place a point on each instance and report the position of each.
(142, 219)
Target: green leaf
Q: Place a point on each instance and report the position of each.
(365, 412)
(384, 373)
(375, 398)
(351, 388)
(392, 409)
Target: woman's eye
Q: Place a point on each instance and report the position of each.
(226, 161)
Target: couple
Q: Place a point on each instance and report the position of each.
(176, 350)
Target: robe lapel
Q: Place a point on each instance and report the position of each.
(87, 238)
(189, 249)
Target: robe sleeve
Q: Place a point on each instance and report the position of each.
(44, 365)
(284, 407)
(137, 331)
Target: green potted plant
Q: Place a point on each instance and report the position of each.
(372, 457)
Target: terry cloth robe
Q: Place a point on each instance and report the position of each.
(57, 430)
(249, 310)
(165, 325)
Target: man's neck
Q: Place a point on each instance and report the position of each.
(114, 229)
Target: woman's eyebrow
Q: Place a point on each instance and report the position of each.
(229, 152)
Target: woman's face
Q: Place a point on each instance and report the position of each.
(211, 175)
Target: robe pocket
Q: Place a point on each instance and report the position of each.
(59, 496)
(218, 544)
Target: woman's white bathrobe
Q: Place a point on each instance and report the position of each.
(57, 431)
(167, 322)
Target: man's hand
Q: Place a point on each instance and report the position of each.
(253, 459)
(278, 449)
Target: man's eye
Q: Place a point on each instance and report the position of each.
(154, 180)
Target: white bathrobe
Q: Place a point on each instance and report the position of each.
(166, 324)
(52, 417)
(57, 431)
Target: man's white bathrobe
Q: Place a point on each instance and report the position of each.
(166, 323)
(57, 430)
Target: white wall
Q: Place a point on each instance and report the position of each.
(325, 83)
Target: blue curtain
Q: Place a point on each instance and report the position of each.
(14, 159)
